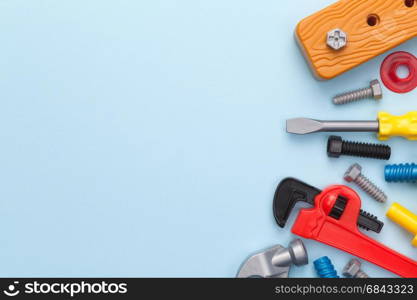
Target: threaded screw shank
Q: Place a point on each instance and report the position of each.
(337, 147)
(401, 173)
(371, 189)
(366, 150)
(349, 97)
(325, 268)
(374, 91)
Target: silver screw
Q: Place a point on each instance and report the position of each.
(353, 270)
(336, 39)
(374, 91)
(354, 174)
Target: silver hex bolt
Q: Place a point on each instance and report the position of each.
(354, 174)
(336, 39)
(374, 91)
(353, 269)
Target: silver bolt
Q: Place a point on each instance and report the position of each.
(354, 174)
(374, 91)
(336, 39)
(353, 270)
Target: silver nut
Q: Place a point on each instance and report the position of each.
(336, 39)
(353, 173)
(376, 89)
(352, 268)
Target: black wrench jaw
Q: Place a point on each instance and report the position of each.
(288, 193)
(291, 191)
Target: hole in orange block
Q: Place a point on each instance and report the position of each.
(373, 20)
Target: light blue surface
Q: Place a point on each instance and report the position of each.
(146, 138)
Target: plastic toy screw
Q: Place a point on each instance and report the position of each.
(325, 268)
(354, 174)
(353, 269)
(337, 147)
(401, 173)
(374, 91)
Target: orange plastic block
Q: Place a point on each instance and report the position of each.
(372, 28)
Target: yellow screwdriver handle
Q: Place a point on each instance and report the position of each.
(404, 126)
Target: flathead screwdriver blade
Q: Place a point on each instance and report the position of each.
(306, 126)
(303, 126)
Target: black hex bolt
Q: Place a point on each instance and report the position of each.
(337, 147)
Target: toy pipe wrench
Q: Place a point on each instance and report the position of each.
(290, 191)
(336, 225)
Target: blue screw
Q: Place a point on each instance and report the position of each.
(401, 173)
(325, 268)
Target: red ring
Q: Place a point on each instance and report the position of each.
(389, 72)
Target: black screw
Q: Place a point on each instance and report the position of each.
(337, 147)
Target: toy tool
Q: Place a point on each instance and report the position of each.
(274, 262)
(351, 32)
(334, 221)
(386, 126)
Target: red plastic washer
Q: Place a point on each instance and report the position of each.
(389, 72)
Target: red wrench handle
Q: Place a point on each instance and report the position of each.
(316, 224)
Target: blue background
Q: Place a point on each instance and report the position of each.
(146, 138)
